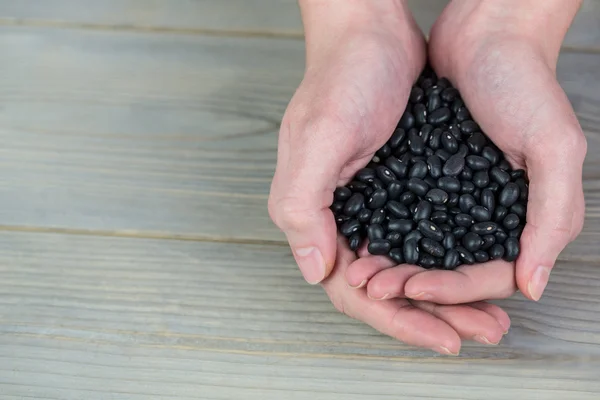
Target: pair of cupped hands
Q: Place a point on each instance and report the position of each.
(362, 59)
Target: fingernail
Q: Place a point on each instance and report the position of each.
(419, 296)
(505, 332)
(311, 263)
(444, 350)
(360, 285)
(385, 296)
(538, 282)
(483, 339)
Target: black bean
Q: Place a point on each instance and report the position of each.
(439, 116)
(379, 247)
(524, 188)
(504, 165)
(435, 139)
(511, 221)
(511, 249)
(509, 194)
(467, 187)
(439, 217)
(466, 174)
(501, 236)
(464, 220)
(418, 170)
(406, 158)
(422, 211)
(488, 241)
(499, 213)
(436, 196)
(376, 200)
(519, 209)
(443, 154)
(430, 181)
(453, 200)
(463, 150)
(364, 215)
(416, 144)
(397, 138)
(376, 184)
(426, 83)
(472, 241)
(349, 227)
(432, 247)
(451, 259)
(355, 204)
(378, 216)
(418, 186)
(459, 232)
(375, 232)
(384, 151)
(466, 202)
(477, 193)
(407, 198)
(399, 168)
(446, 228)
(397, 255)
(496, 251)
(454, 211)
(494, 187)
(484, 228)
(416, 95)
(449, 241)
(490, 154)
(487, 199)
(477, 163)
(500, 176)
(449, 143)
(340, 219)
(434, 165)
(481, 256)
(402, 149)
(516, 174)
(425, 131)
(407, 121)
(385, 174)
(403, 226)
(449, 184)
(449, 94)
(420, 112)
(481, 179)
(427, 261)
(465, 255)
(428, 152)
(395, 238)
(354, 241)
(516, 233)
(430, 230)
(469, 126)
(342, 194)
(416, 235)
(433, 103)
(397, 209)
(337, 207)
(480, 213)
(476, 142)
(454, 165)
(366, 175)
(463, 114)
(457, 104)
(394, 190)
(410, 251)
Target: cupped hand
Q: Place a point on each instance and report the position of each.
(502, 58)
(360, 67)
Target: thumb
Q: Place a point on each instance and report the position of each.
(555, 213)
(308, 169)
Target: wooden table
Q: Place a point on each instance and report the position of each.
(137, 260)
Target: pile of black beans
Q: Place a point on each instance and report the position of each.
(439, 193)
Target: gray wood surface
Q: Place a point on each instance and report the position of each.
(137, 260)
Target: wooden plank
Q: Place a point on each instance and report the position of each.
(280, 17)
(85, 317)
(169, 134)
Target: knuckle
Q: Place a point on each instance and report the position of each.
(288, 213)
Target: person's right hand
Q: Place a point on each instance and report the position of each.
(362, 59)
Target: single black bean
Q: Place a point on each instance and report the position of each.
(454, 165)
(430, 230)
(432, 247)
(477, 193)
(337, 207)
(397, 209)
(402, 149)
(519, 209)
(501, 236)
(384, 151)
(433, 103)
(407, 121)
(434, 165)
(490, 154)
(349, 227)
(436, 89)
(449, 94)
(477, 163)
(425, 131)
(463, 114)
(511, 221)
(465, 255)
(488, 241)
(480, 213)
(439, 116)
(342, 194)
(426, 83)
(500, 176)
(466, 202)
(340, 219)
(449, 241)
(516, 233)
(430, 181)
(418, 186)
(451, 259)
(410, 251)
(354, 204)
(443, 154)
(472, 241)
(466, 174)
(416, 144)
(454, 211)
(449, 142)
(455, 131)
(354, 241)
(364, 215)
(446, 228)
(403, 226)
(394, 190)
(484, 228)
(418, 170)
(369, 191)
(399, 168)
(451, 223)
(487, 199)
(406, 158)
(428, 152)
(481, 179)
(494, 187)
(376, 200)
(457, 104)
(379, 247)
(397, 138)
(516, 174)
(385, 174)
(416, 95)
(499, 213)
(416, 235)
(407, 198)
(463, 150)
(436, 196)
(509, 194)
(459, 232)
(366, 175)
(511, 249)
(496, 251)
(464, 220)
(481, 256)
(375, 232)
(435, 139)
(420, 112)
(427, 261)
(504, 165)
(378, 216)
(423, 210)
(469, 126)
(376, 184)
(476, 142)
(440, 207)
(467, 187)
(439, 217)
(395, 238)
(449, 184)
(397, 255)
(453, 200)
(524, 188)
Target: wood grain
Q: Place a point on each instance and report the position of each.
(88, 317)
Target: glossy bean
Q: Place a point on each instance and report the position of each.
(423, 210)
(519, 209)
(500, 176)
(434, 166)
(436, 196)
(407, 120)
(454, 166)
(476, 142)
(399, 168)
(379, 247)
(378, 216)
(453, 200)
(395, 238)
(451, 259)
(459, 232)
(397, 137)
(487, 200)
(407, 198)
(469, 126)
(420, 113)
(480, 213)
(342, 194)
(496, 251)
(481, 179)
(511, 249)
(435, 139)
(449, 184)
(439, 217)
(467, 187)
(509, 194)
(396, 209)
(355, 241)
(511, 221)
(484, 228)
(488, 241)
(364, 215)
(349, 227)
(432, 247)
(376, 200)
(443, 154)
(410, 251)
(394, 190)
(402, 226)
(418, 170)
(397, 255)
(477, 163)
(449, 241)
(449, 143)
(490, 154)
(472, 241)
(466, 202)
(418, 186)
(465, 255)
(354, 204)
(430, 230)
(439, 116)
(464, 220)
(481, 256)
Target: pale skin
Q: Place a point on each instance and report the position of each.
(362, 59)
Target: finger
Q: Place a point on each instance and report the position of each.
(396, 317)
(496, 312)
(470, 323)
(554, 216)
(389, 283)
(466, 284)
(360, 271)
